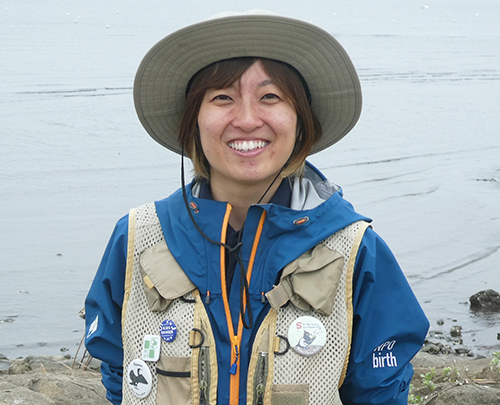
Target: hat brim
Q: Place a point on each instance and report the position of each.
(162, 77)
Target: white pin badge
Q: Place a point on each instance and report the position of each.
(307, 335)
(151, 348)
(139, 378)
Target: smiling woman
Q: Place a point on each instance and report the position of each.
(261, 282)
(232, 122)
(247, 132)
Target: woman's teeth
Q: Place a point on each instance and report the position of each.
(246, 146)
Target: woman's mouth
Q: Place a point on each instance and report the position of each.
(247, 146)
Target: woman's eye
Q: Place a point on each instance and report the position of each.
(222, 97)
(271, 96)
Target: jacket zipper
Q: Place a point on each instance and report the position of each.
(260, 379)
(204, 374)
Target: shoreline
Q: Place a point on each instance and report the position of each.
(45, 380)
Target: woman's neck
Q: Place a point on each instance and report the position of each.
(241, 197)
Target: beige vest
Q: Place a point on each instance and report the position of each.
(318, 284)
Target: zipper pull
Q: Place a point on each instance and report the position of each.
(260, 394)
(203, 398)
(203, 364)
(234, 366)
(207, 298)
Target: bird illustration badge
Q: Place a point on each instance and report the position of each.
(307, 335)
(139, 378)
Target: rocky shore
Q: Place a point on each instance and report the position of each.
(445, 372)
(447, 379)
(47, 380)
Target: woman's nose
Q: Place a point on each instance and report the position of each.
(247, 117)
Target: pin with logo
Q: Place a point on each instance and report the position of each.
(168, 330)
(307, 335)
(151, 348)
(139, 378)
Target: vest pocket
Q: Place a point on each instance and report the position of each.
(174, 381)
(290, 394)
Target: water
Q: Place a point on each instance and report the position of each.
(423, 160)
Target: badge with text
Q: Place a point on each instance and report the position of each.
(151, 348)
(139, 378)
(168, 330)
(307, 335)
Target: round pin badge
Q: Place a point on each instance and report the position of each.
(139, 378)
(307, 335)
(168, 330)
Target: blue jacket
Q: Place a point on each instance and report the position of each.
(385, 308)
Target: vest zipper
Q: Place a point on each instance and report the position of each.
(204, 374)
(260, 379)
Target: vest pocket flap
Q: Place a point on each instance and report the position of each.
(290, 394)
(164, 273)
(317, 276)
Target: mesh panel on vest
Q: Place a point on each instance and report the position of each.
(323, 370)
(139, 320)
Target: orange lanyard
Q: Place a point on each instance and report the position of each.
(234, 386)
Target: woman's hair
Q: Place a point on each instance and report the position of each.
(222, 74)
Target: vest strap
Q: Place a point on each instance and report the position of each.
(279, 295)
(130, 263)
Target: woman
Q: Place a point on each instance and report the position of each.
(256, 283)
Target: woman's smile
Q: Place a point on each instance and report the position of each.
(247, 146)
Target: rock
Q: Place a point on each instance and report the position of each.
(436, 348)
(458, 380)
(19, 367)
(440, 322)
(487, 300)
(79, 387)
(469, 394)
(489, 374)
(456, 331)
(431, 349)
(50, 380)
(462, 350)
(10, 394)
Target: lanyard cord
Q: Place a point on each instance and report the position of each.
(244, 287)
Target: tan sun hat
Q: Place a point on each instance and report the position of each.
(163, 75)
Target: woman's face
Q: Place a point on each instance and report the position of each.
(247, 130)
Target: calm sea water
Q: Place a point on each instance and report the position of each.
(423, 161)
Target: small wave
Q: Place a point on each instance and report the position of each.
(88, 92)
(428, 77)
(469, 260)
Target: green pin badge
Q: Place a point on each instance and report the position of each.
(151, 348)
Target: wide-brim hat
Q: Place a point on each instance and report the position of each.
(164, 73)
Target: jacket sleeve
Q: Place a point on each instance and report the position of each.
(389, 327)
(103, 309)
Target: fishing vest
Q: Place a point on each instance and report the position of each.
(301, 349)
